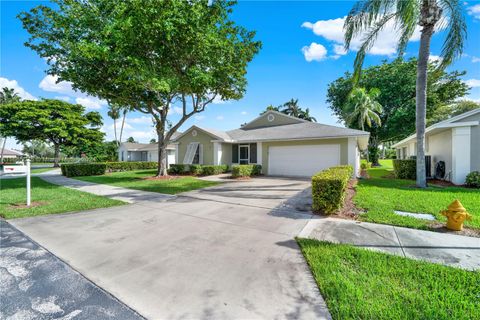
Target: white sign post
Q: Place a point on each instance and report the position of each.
(28, 183)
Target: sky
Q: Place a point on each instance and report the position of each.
(302, 53)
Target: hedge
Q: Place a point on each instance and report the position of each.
(405, 168)
(473, 179)
(246, 170)
(329, 188)
(197, 169)
(129, 166)
(83, 169)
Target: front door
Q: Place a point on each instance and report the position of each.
(244, 154)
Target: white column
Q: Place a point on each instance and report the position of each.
(259, 153)
(217, 153)
(461, 146)
(176, 153)
(352, 155)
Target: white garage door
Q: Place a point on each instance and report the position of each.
(302, 160)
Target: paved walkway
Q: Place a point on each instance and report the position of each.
(447, 249)
(118, 193)
(34, 284)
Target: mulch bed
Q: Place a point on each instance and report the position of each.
(440, 227)
(24, 205)
(349, 210)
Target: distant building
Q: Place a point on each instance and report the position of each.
(10, 154)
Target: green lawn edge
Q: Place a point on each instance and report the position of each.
(362, 284)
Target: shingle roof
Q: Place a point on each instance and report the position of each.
(143, 146)
(304, 130)
(8, 152)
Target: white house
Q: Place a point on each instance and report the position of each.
(144, 152)
(456, 141)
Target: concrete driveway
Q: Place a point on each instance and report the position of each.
(225, 252)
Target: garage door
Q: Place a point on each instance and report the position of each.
(302, 160)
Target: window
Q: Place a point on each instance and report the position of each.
(244, 152)
(123, 159)
(193, 154)
(196, 158)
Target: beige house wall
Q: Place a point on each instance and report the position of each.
(439, 146)
(475, 142)
(203, 139)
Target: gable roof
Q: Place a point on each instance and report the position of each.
(449, 123)
(286, 120)
(8, 152)
(130, 146)
(216, 134)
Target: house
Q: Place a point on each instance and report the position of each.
(282, 144)
(143, 152)
(11, 154)
(455, 141)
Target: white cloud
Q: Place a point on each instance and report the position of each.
(314, 52)
(474, 11)
(220, 118)
(474, 83)
(140, 120)
(175, 110)
(199, 118)
(141, 135)
(218, 100)
(434, 58)
(13, 84)
(475, 59)
(244, 112)
(90, 102)
(332, 30)
(64, 98)
(49, 83)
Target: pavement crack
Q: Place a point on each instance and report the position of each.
(399, 242)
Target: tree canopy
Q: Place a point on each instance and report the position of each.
(396, 82)
(58, 122)
(292, 109)
(146, 55)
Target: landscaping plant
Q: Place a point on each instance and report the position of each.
(329, 188)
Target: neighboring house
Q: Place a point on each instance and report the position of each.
(10, 154)
(144, 152)
(455, 141)
(283, 145)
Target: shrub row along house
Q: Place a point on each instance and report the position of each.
(281, 144)
(455, 142)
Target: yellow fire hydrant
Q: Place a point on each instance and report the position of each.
(456, 214)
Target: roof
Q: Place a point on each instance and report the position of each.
(8, 152)
(449, 123)
(129, 146)
(217, 134)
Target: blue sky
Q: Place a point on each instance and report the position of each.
(301, 55)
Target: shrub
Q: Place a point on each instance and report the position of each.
(365, 165)
(246, 170)
(83, 169)
(405, 169)
(129, 166)
(208, 170)
(195, 169)
(329, 188)
(178, 169)
(473, 179)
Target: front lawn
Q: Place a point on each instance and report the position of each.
(41, 170)
(136, 180)
(361, 284)
(381, 194)
(49, 197)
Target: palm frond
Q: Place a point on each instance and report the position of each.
(407, 19)
(457, 31)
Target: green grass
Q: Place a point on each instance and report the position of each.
(361, 284)
(134, 180)
(40, 170)
(379, 196)
(54, 199)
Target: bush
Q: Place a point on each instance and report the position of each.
(208, 170)
(129, 166)
(365, 165)
(178, 169)
(473, 179)
(246, 170)
(329, 188)
(83, 169)
(405, 169)
(195, 169)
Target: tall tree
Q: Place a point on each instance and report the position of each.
(367, 18)
(291, 108)
(147, 55)
(131, 140)
(115, 112)
(305, 115)
(7, 95)
(365, 110)
(54, 121)
(396, 82)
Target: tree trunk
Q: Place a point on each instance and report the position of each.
(421, 102)
(121, 128)
(56, 157)
(373, 145)
(3, 148)
(115, 130)
(162, 155)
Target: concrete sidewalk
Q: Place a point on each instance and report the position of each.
(118, 193)
(447, 249)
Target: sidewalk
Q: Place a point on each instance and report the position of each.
(118, 193)
(447, 249)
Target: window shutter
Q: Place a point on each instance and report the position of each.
(253, 153)
(200, 153)
(190, 153)
(234, 153)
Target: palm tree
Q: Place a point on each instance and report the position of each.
(305, 115)
(114, 113)
(292, 108)
(7, 95)
(367, 18)
(365, 110)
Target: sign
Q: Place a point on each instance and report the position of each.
(14, 169)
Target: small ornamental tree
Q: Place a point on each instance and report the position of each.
(58, 122)
(146, 55)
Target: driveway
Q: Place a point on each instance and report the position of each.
(225, 252)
